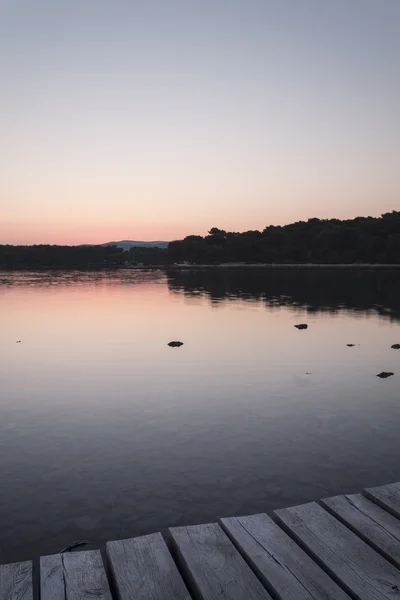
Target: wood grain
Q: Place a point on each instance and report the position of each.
(73, 576)
(373, 524)
(16, 581)
(387, 496)
(143, 568)
(281, 564)
(362, 571)
(213, 566)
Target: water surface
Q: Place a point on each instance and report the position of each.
(106, 432)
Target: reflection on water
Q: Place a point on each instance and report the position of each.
(78, 278)
(106, 432)
(314, 290)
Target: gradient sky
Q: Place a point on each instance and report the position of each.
(154, 119)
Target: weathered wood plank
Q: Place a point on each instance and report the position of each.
(361, 570)
(73, 575)
(376, 526)
(52, 584)
(387, 496)
(143, 568)
(213, 566)
(280, 563)
(16, 581)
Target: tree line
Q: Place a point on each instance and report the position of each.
(363, 239)
(77, 257)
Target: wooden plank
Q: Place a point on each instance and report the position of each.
(213, 566)
(16, 581)
(387, 496)
(143, 568)
(283, 567)
(361, 571)
(73, 575)
(376, 526)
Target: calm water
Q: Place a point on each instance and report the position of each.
(106, 432)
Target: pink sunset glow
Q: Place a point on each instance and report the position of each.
(155, 124)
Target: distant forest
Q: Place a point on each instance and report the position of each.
(360, 240)
(364, 240)
(78, 257)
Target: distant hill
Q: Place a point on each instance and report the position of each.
(127, 244)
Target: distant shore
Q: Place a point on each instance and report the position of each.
(193, 267)
(306, 266)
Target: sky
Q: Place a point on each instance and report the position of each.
(156, 119)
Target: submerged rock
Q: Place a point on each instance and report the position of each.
(385, 374)
(301, 326)
(175, 344)
(396, 346)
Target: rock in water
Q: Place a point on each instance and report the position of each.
(385, 374)
(396, 346)
(175, 344)
(301, 326)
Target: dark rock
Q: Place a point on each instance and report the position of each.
(301, 326)
(350, 345)
(396, 346)
(385, 374)
(175, 344)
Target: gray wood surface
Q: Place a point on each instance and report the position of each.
(16, 581)
(387, 496)
(376, 526)
(281, 564)
(213, 566)
(359, 568)
(73, 576)
(144, 569)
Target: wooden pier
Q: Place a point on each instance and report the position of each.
(340, 548)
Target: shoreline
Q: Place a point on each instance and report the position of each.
(194, 267)
(305, 266)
